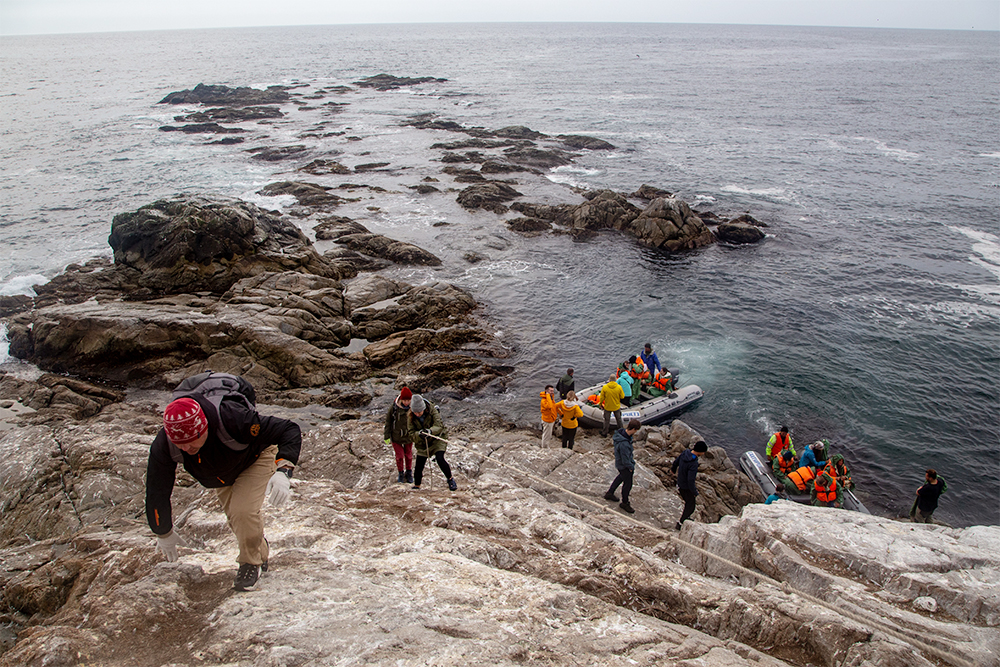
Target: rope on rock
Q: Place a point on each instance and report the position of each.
(857, 614)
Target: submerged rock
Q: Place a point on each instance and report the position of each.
(389, 82)
(489, 196)
(224, 95)
(589, 143)
(738, 233)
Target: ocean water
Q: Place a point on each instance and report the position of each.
(869, 316)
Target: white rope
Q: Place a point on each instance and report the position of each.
(859, 615)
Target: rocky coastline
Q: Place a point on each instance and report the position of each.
(525, 563)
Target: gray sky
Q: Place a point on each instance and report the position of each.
(26, 17)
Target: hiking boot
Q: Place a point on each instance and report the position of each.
(415, 486)
(452, 484)
(409, 477)
(401, 479)
(611, 496)
(626, 507)
(247, 577)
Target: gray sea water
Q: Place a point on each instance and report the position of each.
(869, 316)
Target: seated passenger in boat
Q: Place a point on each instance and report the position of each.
(825, 492)
(783, 465)
(837, 469)
(662, 384)
(814, 455)
(800, 480)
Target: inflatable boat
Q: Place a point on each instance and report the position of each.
(649, 410)
(757, 469)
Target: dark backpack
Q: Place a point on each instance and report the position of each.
(214, 388)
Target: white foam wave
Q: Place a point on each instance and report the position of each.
(774, 194)
(708, 199)
(895, 153)
(22, 285)
(4, 345)
(986, 247)
(570, 175)
(989, 155)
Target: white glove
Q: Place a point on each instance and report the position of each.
(279, 489)
(168, 545)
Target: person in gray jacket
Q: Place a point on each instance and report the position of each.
(686, 467)
(625, 463)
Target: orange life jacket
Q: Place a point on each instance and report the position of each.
(779, 443)
(662, 382)
(801, 477)
(786, 466)
(594, 398)
(827, 495)
(831, 470)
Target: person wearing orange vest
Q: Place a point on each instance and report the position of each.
(837, 469)
(783, 465)
(800, 480)
(549, 413)
(824, 492)
(779, 441)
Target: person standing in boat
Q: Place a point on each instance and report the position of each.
(625, 382)
(570, 411)
(686, 467)
(779, 441)
(651, 360)
(566, 384)
(611, 400)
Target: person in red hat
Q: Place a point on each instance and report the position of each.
(221, 440)
(397, 434)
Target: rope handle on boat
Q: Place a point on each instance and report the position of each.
(856, 614)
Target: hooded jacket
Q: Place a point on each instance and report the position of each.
(623, 450)
(570, 413)
(397, 429)
(548, 407)
(686, 467)
(431, 421)
(612, 395)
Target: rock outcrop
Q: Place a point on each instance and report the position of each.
(226, 96)
(525, 563)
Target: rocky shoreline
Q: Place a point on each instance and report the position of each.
(509, 569)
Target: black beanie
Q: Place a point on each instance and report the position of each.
(700, 446)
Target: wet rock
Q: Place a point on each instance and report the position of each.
(528, 225)
(322, 167)
(372, 288)
(670, 224)
(747, 219)
(489, 196)
(584, 142)
(226, 141)
(430, 306)
(370, 166)
(14, 304)
(649, 193)
(499, 167)
(471, 156)
(278, 153)
(472, 143)
(202, 128)
(231, 115)
(307, 194)
(738, 233)
(348, 263)
(537, 157)
(389, 82)
(333, 228)
(423, 189)
(473, 257)
(224, 95)
(518, 132)
(465, 175)
(191, 244)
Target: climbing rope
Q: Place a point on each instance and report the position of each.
(857, 614)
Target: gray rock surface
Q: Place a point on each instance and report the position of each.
(509, 569)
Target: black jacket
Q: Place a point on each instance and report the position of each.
(686, 467)
(216, 465)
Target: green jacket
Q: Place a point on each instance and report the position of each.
(431, 421)
(397, 428)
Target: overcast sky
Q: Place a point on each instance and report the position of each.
(26, 17)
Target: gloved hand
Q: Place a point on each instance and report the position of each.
(388, 441)
(168, 545)
(279, 489)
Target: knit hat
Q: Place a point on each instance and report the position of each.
(787, 455)
(184, 421)
(417, 403)
(700, 446)
(405, 393)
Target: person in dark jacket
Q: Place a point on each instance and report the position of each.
(397, 434)
(686, 467)
(430, 438)
(927, 497)
(624, 463)
(566, 384)
(227, 446)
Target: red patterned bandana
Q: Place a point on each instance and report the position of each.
(184, 421)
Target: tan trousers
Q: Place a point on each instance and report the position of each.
(547, 431)
(242, 502)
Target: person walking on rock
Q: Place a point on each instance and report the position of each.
(570, 411)
(212, 428)
(566, 384)
(549, 412)
(397, 434)
(611, 399)
(686, 467)
(927, 497)
(430, 438)
(625, 464)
